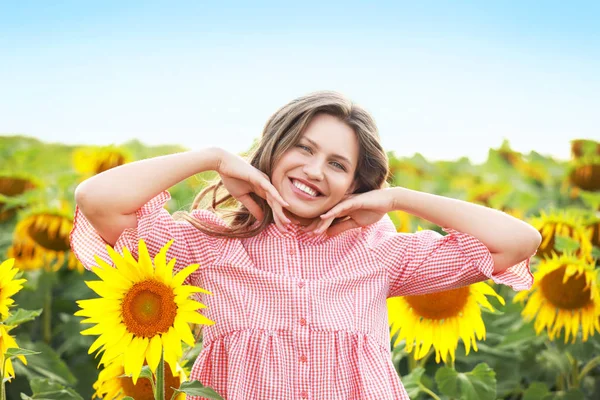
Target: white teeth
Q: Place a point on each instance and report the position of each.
(304, 188)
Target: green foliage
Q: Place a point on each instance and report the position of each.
(45, 389)
(412, 382)
(565, 243)
(512, 362)
(195, 388)
(47, 364)
(536, 391)
(479, 384)
(21, 316)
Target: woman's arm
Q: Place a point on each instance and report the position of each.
(110, 199)
(126, 188)
(508, 239)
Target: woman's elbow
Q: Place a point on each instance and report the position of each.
(525, 248)
(533, 243)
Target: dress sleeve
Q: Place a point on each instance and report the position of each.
(156, 226)
(426, 261)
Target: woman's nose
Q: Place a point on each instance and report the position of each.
(314, 170)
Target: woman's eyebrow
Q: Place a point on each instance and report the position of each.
(341, 157)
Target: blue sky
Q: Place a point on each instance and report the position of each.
(445, 79)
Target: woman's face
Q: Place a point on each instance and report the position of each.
(324, 159)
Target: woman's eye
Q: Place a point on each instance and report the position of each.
(337, 164)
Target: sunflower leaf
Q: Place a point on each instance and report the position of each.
(15, 351)
(48, 364)
(553, 361)
(49, 390)
(479, 384)
(596, 254)
(565, 244)
(412, 382)
(20, 316)
(195, 388)
(146, 373)
(537, 390)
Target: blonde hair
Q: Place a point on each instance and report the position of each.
(282, 131)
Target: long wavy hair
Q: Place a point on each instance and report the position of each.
(282, 131)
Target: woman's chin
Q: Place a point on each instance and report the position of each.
(307, 215)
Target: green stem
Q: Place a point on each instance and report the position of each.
(572, 380)
(560, 382)
(3, 390)
(160, 379)
(47, 317)
(450, 363)
(2, 372)
(429, 392)
(412, 363)
(588, 367)
(423, 360)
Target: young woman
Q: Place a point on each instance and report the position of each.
(301, 270)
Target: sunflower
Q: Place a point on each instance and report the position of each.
(440, 319)
(8, 286)
(594, 226)
(143, 309)
(508, 154)
(13, 185)
(534, 170)
(515, 212)
(41, 240)
(402, 220)
(8, 342)
(112, 385)
(564, 223)
(584, 147)
(26, 254)
(584, 173)
(564, 294)
(92, 161)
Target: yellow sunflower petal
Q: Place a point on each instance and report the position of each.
(184, 273)
(154, 352)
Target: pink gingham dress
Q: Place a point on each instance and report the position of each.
(301, 317)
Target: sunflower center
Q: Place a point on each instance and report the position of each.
(149, 308)
(440, 305)
(50, 240)
(111, 161)
(12, 186)
(570, 295)
(142, 390)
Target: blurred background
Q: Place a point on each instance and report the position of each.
(494, 103)
(445, 79)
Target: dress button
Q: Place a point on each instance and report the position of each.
(303, 358)
(304, 394)
(300, 284)
(291, 251)
(302, 321)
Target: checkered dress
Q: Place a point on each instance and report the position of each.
(301, 317)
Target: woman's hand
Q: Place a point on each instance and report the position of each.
(240, 179)
(362, 209)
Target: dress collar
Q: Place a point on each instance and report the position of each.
(296, 233)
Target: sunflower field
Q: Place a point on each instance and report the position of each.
(482, 341)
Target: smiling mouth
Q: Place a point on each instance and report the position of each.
(319, 194)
